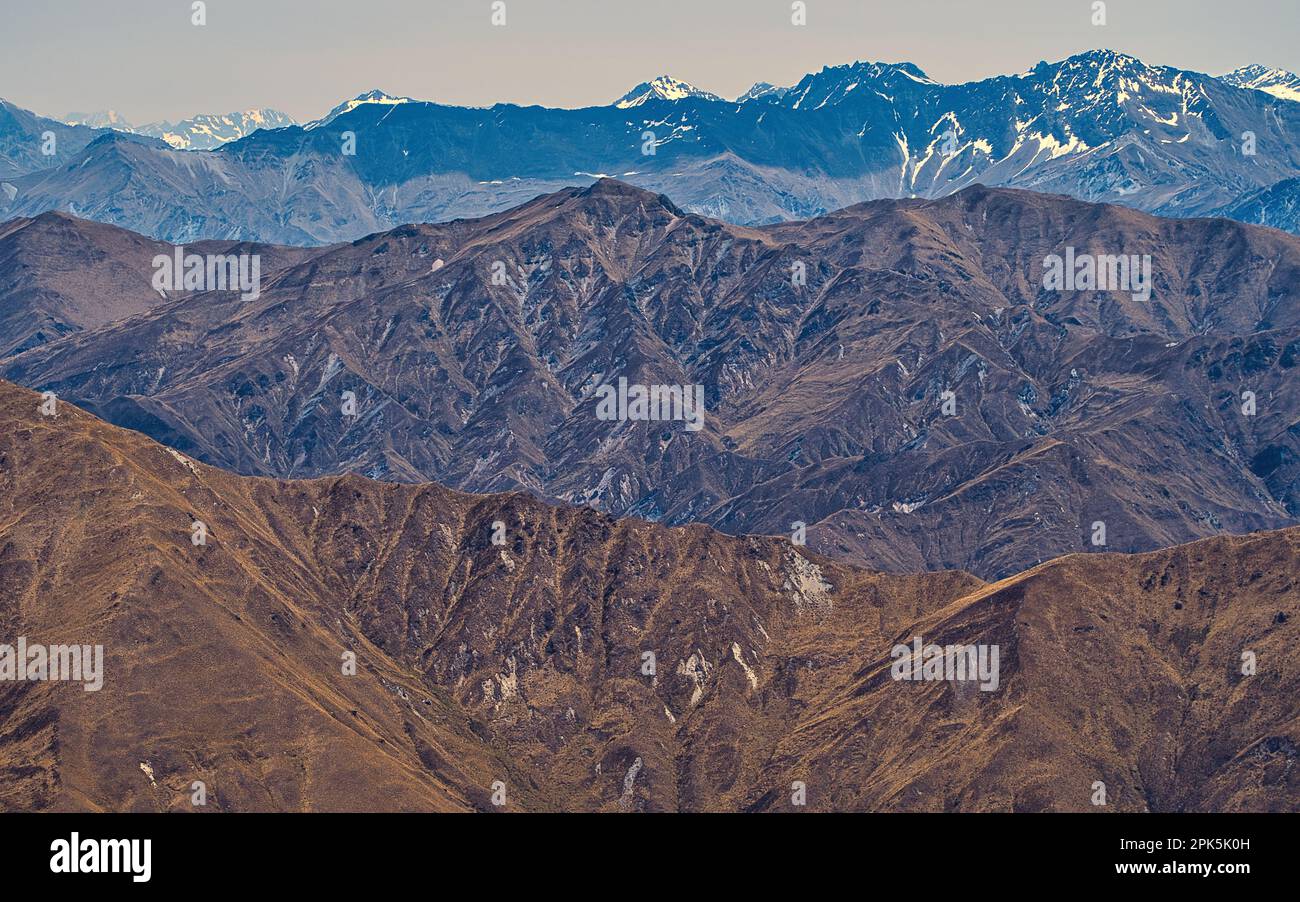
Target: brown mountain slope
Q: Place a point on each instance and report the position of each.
(60, 274)
(523, 663)
(474, 349)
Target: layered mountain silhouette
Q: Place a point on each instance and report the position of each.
(895, 375)
(1100, 126)
(587, 663)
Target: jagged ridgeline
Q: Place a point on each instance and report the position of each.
(1100, 126)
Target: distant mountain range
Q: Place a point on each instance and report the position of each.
(824, 349)
(1099, 126)
(583, 663)
(203, 132)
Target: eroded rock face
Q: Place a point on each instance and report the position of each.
(470, 672)
(808, 590)
(895, 375)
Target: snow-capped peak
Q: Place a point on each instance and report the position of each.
(204, 131)
(664, 87)
(1105, 68)
(1278, 82)
(1104, 56)
(834, 84)
(101, 119)
(374, 96)
(760, 89)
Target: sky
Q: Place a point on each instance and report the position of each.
(146, 60)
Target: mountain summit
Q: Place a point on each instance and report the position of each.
(665, 87)
(373, 96)
(100, 119)
(1278, 82)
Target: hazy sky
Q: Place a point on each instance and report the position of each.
(146, 60)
